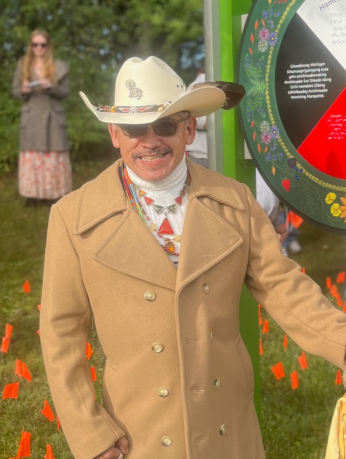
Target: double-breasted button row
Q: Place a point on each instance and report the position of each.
(217, 382)
(158, 347)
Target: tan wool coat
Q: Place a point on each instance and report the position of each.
(42, 122)
(178, 380)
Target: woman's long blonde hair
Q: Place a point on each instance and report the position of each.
(48, 59)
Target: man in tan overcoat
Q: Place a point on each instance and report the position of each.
(157, 249)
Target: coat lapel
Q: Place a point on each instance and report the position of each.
(207, 238)
(130, 248)
(133, 250)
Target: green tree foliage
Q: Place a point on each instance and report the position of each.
(95, 37)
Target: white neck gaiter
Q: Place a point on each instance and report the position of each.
(164, 194)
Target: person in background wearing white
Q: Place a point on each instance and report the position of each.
(266, 198)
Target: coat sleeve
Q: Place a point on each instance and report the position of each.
(61, 89)
(17, 83)
(292, 299)
(64, 325)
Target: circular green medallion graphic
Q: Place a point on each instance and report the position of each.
(292, 63)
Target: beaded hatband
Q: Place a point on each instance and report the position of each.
(131, 109)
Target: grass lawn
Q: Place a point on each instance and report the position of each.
(295, 423)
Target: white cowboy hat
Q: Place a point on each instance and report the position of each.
(148, 90)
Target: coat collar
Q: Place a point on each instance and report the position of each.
(99, 199)
(103, 197)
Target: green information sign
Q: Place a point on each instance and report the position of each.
(292, 63)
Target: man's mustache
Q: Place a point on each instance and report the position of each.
(153, 152)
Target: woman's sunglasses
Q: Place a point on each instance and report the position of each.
(41, 45)
(165, 127)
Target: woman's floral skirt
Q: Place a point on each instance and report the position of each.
(44, 175)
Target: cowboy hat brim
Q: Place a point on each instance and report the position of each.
(199, 102)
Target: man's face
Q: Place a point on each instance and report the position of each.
(151, 156)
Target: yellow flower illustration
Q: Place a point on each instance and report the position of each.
(343, 208)
(335, 210)
(330, 198)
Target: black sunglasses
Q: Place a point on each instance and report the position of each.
(36, 45)
(165, 127)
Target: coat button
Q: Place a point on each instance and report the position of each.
(163, 392)
(206, 288)
(149, 295)
(156, 347)
(217, 384)
(166, 441)
(223, 430)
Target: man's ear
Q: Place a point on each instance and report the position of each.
(191, 126)
(114, 134)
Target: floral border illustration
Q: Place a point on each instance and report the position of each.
(314, 195)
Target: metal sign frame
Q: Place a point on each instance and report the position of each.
(223, 30)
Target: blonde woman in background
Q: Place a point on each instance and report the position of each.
(41, 82)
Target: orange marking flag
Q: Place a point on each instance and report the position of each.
(47, 412)
(294, 219)
(341, 278)
(58, 424)
(88, 350)
(19, 368)
(26, 373)
(8, 331)
(329, 284)
(303, 271)
(344, 310)
(39, 307)
(294, 380)
(338, 378)
(11, 391)
(334, 291)
(26, 287)
(19, 454)
(38, 332)
(93, 373)
(5, 344)
(285, 342)
(302, 361)
(260, 321)
(278, 371)
(49, 454)
(25, 444)
(265, 327)
(260, 347)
